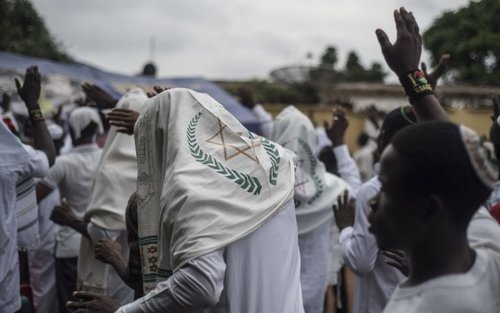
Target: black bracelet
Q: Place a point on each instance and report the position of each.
(416, 85)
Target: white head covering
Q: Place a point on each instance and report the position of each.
(115, 181)
(484, 166)
(315, 190)
(116, 177)
(56, 132)
(81, 117)
(205, 177)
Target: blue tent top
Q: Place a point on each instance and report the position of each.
(116, 82)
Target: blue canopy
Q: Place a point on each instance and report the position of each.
(117, 83)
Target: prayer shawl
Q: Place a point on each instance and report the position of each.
(316, 191)
(204, 181)
(12, 155)
(115, 181)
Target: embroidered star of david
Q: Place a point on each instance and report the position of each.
(218, 139)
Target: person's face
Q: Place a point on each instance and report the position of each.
(395, 210)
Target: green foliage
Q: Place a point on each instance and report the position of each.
(329, 58)
(472, 36)
(23, 31)
(353, 70)
(269, 92)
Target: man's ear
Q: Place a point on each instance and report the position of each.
(434, 208)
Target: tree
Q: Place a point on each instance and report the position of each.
(329, 58)
(472, 36)
(355, 72)
(24, 32)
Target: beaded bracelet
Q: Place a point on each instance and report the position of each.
(416, 85)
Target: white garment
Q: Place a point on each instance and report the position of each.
(314, 259)
(15, 162)
(375, 279)
(350, 174)
(256, 274)
(365, 160)
(114, 182)
(73, 173)
(41, 258)
(322, 139)
(315, 190)
(204, 181)
(81, 117)
(109, 282)
(265, 120)
(471, 292)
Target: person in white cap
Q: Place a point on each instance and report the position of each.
(73, 174)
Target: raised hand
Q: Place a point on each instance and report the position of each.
(123, 119)
(397, 259)
(62, 214)
(438, 71)
(108, 251)
(30, 90)
(336, 131)
(404, 55)
(89, 302)
(157, 90)
(101, 97)
(344, 211)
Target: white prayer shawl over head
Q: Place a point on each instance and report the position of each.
(116, 175)
(12, 155)
(316, 191)
(81, 117)
(204, 180)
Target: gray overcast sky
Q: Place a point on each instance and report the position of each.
(225, 39)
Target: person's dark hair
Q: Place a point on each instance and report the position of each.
(495, 138)
(328, 158)
(87, 133)
(149, 70)
(362, 139)
(394, 121)
(435, 161)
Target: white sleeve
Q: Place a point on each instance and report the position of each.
(357, 245)
(348, 169)
(95, 233)
(193, 288)
(484, 231)
(265, 120)
(39, 164)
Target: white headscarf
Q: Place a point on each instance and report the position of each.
(81, 117)
(315, 190)
(116, 175)
(204, 180)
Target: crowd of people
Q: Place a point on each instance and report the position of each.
(183, 209)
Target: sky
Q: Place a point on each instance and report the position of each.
(225, 39)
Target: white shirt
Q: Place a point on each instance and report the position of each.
(375, 279)
(73, 173)
(259, 273)
(365, 160)
(38, 166)
(265, 120)
(475, 291)
(348, 170)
